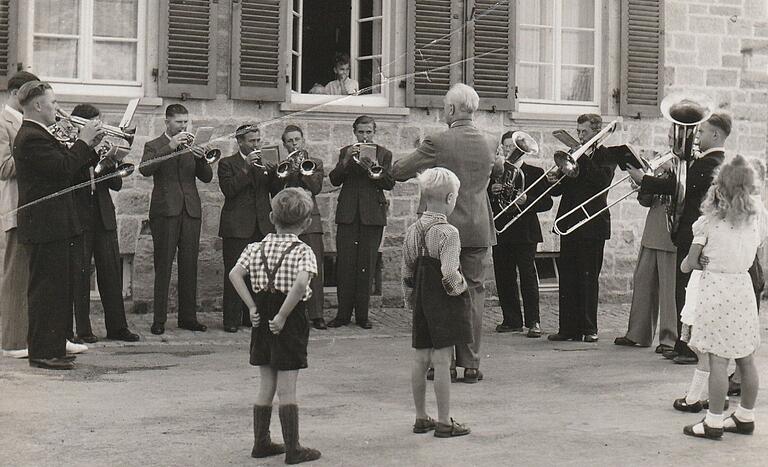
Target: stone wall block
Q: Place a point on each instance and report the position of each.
(128, 233)
(131, 202)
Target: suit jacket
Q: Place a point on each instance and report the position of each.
(103, 212)
(595, 174)
(361, 197)
(464, 150)
(246, 198)
(9, 187)
(45, 166)
(527, 228)
(701, 173)
(174, 179)
(313, 183)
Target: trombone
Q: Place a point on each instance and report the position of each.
(565, 162)
(648, 167)
(375, 171)
(296, 161)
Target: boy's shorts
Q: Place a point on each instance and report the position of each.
(285, 351)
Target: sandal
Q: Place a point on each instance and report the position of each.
(742, 428)
(449, 431)
(424, 425)
(709, 432)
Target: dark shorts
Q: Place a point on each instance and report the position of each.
(287, 350)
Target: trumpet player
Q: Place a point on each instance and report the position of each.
(293, 140)
(361, 214)
(515, 248)
(245, 180)
(175, 215)
(96, 212)
(581, 252)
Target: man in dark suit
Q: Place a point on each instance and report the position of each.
(361, 214)
(516, 246)
(245, 215)
(465, 151)
(293, 140)
(51, 228)
(581, 252)
(175, 215)
(701, 173)
(97, 216)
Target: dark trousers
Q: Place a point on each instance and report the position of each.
(102, 246)
(507, 260)
(170, 234)
(52, 267)
(315, 303)
(357, 247)
(580, 264)
(235, 311)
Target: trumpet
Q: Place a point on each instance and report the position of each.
(375, 171)
(112, 131)
(109, 161)
(210, 156)
(297, 161)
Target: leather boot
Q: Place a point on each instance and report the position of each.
(262, 442)
(289, 421)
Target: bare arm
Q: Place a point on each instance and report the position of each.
(692, 260)
(237, 277)
(291, 300)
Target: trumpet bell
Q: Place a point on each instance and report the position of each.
(212, 155)
(307, 167)
(376, 172)
(283, 169)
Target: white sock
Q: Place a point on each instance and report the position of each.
(698, 385)
(714, 420)
(745, 415)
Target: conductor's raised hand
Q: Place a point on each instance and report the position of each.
(92, 133)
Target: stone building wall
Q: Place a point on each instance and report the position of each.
(719, 48)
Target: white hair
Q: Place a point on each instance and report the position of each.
(463, 97)
(438, 181)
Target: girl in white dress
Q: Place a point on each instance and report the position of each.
(725, 323)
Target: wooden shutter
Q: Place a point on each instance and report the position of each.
(258, 46)
(187, 49)
(434, 50)
(491, 53)
(642, 57)
(8, 33)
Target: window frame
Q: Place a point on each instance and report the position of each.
(549, 106)
(384, 98)
(90, 86)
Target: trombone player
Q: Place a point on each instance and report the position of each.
(245, 179)
(581, 252)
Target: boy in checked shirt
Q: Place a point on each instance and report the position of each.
(281, 268)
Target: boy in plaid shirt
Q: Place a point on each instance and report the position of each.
(280, 269)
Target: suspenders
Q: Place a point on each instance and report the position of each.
(271, 273)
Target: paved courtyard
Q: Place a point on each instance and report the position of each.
(185, 399)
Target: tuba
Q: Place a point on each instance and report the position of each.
(512, 179)
(686, 112)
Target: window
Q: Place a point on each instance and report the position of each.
(558, 52)
(320, 30)
(77, 42)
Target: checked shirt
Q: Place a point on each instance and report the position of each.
(299, 259)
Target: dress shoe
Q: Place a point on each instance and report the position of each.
(472, 375)
(590, 338)
(52, 363)
(157, 329)
(661, 348)
(686, 359)
(21, 353)
(123, 335)
(562, 337)
(76, 348)
(86, 338)
(506, 328)
(683, 406)
(534, 331)
(230, 328)
(193, 326)
(365, 324)
(624, 341)
(337, 323)
(319, 323)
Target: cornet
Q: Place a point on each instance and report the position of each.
(375, 171)
(110, 130)
(297, 161)
(110, 163)
(210, 156)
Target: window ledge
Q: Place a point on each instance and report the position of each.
(326, 111)
(554, 120)
(109, 103)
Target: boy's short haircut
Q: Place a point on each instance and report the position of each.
(31, 90)
(243, 130)
(175, 109)
(595, 121)
(340, 59)
(19, 79)
(289, 129)
(291, 207)
(437, 182)
(364, 120)
(722, 121)
(85, 111)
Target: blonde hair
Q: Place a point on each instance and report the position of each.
(731, 195)
(291, 207)
(463, 97)
(437, 182)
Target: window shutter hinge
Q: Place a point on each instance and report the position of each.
(401, 84)
(185, 96)
(616, 95)
(287, 79)
(20, 66)
(259, 104)
(427, 109)
(516, 92)
(493, 109)
(155, 73)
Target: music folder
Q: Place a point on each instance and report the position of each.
(270, 153)
(367, 150)
(627, 156)
(203, 135)
(130, 111)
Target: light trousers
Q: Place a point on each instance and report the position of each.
(653, 298)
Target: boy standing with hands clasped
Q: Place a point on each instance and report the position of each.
(280, 267)
(437, 293)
